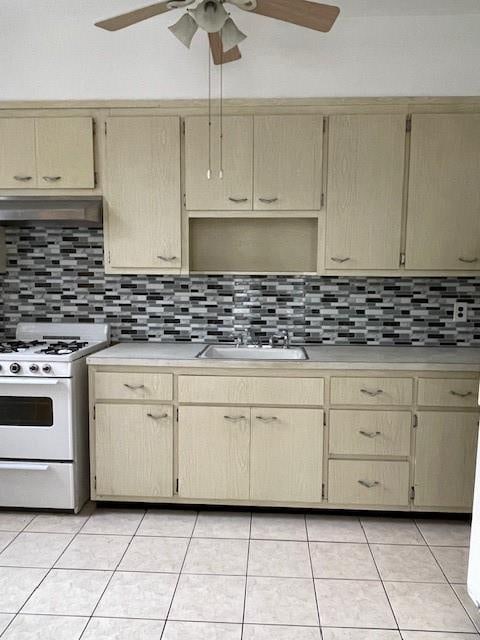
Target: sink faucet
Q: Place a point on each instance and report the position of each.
(247, 338)
(283, 337)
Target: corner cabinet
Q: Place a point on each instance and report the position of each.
(47, 153)
(379, 440)
(143, 226)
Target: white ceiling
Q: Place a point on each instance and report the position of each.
(365, 8)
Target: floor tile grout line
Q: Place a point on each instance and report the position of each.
(113, 572)
(246, 577)
(379, 575)
(179, 575)
(313, 579)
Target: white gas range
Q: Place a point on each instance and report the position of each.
(44, 414)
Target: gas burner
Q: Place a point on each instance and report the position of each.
(17, 346)
(63, 348)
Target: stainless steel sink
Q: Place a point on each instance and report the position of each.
(219, 352)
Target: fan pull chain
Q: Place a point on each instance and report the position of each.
(220, 173)
(209, 171)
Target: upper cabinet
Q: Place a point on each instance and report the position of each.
(46, 153)
(206, 189)
(443, 219)
(270, 163)
(143, 195)
(288, 163)
(365, 191)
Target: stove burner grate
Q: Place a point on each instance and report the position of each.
(17, 346)
(63, 348)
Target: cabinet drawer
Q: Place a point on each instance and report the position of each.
(250, 390)
(372, 391)
(368, 482)
(447, 393)
(133, 386)
(370, 433)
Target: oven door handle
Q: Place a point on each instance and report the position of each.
(23, 466)
(31, 381)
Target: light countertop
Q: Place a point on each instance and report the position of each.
(161, 354)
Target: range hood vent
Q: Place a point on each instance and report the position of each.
(81, 211)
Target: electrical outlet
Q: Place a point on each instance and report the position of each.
(460, 312)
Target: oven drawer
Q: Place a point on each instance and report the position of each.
(37, 485)
(134, 386)
(447, 393)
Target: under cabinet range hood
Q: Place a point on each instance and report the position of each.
(81, 211)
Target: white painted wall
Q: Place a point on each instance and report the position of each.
(49, 49)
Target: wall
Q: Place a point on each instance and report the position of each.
(57, 274)
(51, 50)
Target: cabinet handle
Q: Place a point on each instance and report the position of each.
(52, 178)
(372, 394)
(267, 418)
(22, 178)
(340, 260)
(160, 417)
(268, 200)
(167, 258)
(133, 387)
(237, 200)
(468, 260)
(369, 485)
(370, 434)
(235, 418)
(460, 394)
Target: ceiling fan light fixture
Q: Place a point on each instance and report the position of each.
(231, 35)
(210, 15)
(184, 29)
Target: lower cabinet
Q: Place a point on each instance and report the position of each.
(213, 450)
(286, 455)
(446, 444)
(134, 450)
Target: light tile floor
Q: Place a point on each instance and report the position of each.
(123, 574)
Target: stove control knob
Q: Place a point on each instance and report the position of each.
(15, 367)
(34, 368)
(46, 368)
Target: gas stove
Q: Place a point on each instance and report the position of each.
(48, 349)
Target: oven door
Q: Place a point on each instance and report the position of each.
(36, 419)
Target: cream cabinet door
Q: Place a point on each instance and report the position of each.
(443, 220)
(213, 452)
(143, 193)
(286, 455)
(17, 153)
(366, 155)
(233, 191)
(445, 459)
(134, 450)
(288, 162)
(65, 153)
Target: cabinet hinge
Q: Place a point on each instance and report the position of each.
(185, 200)
(95, 179)
(94, 127)
(412, 493)
(109, 257)
(323, 491)
(415, 421)
(95, 482)
(105, 128)
(324, 125)
(324, 419)
(176, 486)
(176, 413)
(409, 124)
(94, 412)
(322, 201)
(403, 259)
(183, 127)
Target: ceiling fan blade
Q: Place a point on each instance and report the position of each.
(132, 17)
(320, 17)
(219, 56)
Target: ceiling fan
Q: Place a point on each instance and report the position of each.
(223, 33)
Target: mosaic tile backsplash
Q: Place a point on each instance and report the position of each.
(57, 274)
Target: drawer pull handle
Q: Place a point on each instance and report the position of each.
(52, 178)
(237, 200)
(468, 260)
(134, 387)
(372, 394)
(22, 178)
(267, 418)
(235, 418)
(370, 434)
(367, 484)
(160, 417)
(268, 200)
(340, 260)
(167, 258)
(459, 394)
